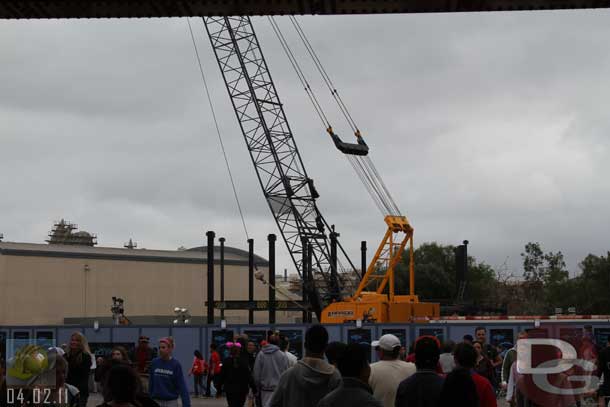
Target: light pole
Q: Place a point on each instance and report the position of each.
(182, 316)
(86, 270)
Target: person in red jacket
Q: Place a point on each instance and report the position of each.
(214, 369)
(142, 357)
(198, 370)
(465, 357)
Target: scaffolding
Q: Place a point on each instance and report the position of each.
(65, 233)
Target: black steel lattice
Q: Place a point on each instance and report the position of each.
(289, 191)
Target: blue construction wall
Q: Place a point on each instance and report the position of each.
(191, 338)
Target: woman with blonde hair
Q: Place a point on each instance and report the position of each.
(79, 365)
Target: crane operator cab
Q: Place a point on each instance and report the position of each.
(359, 148)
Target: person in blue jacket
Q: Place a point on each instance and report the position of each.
(166, 381)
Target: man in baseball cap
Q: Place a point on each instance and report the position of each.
(387, 374)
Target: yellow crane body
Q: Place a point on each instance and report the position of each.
(370, 302)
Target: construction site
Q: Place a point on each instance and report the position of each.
(325, 285)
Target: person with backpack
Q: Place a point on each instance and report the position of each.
(198, 370)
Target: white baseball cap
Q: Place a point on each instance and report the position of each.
(387, 342)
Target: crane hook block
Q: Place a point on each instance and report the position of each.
(360, 148)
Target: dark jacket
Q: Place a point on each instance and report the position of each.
(251, 359)
(485, 368)
(247, 358)
(351, 393)
(101, 374)
(2, 392)
(423, 389)
(235, 376)
(79, 365)
(142, 400)
(603, 368)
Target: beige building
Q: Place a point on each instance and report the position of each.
(57, 283)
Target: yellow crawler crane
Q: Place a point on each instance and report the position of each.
(375, 299)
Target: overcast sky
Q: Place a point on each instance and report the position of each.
(487, 127)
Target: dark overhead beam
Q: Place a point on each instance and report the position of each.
(32, 9)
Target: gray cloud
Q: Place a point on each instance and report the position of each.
(486, 126)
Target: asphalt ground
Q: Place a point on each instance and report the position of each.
(96, 400)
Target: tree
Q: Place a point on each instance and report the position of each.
(555, 271)
(546, 285)
(533, 262)
(593, 285)
(557, 292)
(435, 274)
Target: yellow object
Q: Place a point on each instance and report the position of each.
(28, 361)
(377, 306)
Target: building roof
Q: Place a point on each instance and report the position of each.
(229, 251)
(196, 255)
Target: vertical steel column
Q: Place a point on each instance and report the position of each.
(465, 259)
(251, 278)
(210, 261)
(334, 278)
(271, 238)
(309, 269)
(222, 275)
(363, 259)
(305, 277)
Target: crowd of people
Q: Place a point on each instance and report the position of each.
(472, 373)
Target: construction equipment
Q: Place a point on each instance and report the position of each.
(378, 305)
(371, 302)
(289, 191)
(291, 194)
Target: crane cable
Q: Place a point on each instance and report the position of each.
(222, 146)
(299, 72)
(368, 163)
(363, 166)
(367, 168)
(327, 80)
(369, 178)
